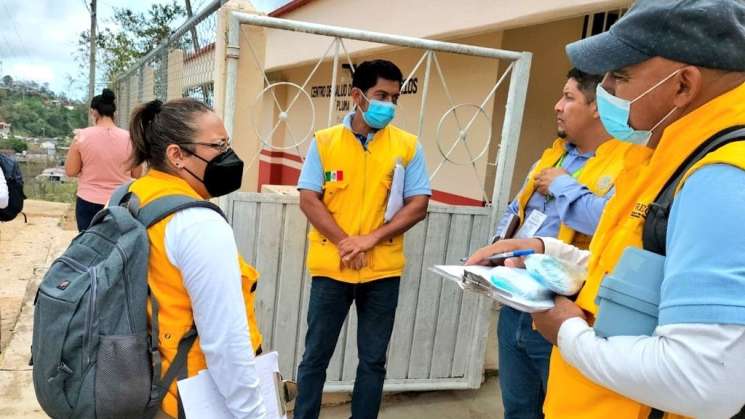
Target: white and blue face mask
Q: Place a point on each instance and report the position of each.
(379, 113)
(614, 113)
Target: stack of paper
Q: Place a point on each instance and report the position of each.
(512, 287)
(396, 195)
(202, 399)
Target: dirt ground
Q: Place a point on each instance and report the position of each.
(26, 251)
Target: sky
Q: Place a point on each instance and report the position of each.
(38, 38)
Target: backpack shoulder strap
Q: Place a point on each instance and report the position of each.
(654, 236)
(161, 208)
(150, 215)
(119, 194)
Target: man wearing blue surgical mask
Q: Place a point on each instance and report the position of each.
(675, 80)
(355, 250)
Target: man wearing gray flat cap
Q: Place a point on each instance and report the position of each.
(659, 326)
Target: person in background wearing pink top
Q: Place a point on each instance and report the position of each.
(100, 156)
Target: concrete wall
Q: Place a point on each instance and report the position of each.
(436, 19)
(469, 79)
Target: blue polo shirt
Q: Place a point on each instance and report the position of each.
(416, 181)
(572, 204)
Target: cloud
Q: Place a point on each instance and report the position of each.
(38, 38)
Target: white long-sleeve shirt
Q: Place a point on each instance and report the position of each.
(691, 369)
(3, 191)
(200, 243)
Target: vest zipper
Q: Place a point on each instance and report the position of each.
(364, 193)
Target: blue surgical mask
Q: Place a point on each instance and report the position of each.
(379, 113)
(614, 113)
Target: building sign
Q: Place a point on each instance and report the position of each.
(344, 93)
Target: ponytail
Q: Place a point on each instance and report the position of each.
(156, 125)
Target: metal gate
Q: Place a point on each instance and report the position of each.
(439, 338)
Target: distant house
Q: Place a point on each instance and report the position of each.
(54, 174)
(49, 146)
(4, 130)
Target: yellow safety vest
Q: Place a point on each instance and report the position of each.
(598, 174)
(356, 188)
(570, 394)
(175, 316)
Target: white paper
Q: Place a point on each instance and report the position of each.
(202, 399)
(396, 197)
(266, 365)
(477, 280)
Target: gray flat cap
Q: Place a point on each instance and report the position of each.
(706, 33)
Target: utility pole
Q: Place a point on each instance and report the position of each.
(92, 64)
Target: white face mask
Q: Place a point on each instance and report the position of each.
(614, 113)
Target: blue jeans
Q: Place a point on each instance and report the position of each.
(84, 212)
(523, 365)
(328, 307)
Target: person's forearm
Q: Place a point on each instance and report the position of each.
(578, 207)
(413, 211)
(691, 369)
(4, 195)
(319, 216)
(565, 252)
(73, 161)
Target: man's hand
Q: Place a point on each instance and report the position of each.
(356, 263)
(481, 255)
(546, 177)
(549, 322)
(351, 247)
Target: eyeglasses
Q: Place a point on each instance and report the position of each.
(222, 146)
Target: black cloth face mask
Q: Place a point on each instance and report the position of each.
(223, 174)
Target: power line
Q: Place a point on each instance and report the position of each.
(15, 29)
(88, 8)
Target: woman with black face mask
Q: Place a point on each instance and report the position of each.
(195, 272)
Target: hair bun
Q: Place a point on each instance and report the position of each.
(107, 95)
(152, 109)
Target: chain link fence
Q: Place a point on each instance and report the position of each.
(183, 66)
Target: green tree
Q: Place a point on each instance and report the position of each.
(7, 80)
(138, 34)
(14, 144)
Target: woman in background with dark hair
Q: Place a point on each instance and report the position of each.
(100, 157)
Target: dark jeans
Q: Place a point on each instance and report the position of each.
(329, 304)
(523, 365)
(84, 212)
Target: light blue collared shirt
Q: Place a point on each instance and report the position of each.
(573, 203)
(416, 180)
(704, 278)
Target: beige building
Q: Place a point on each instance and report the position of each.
(542, 27)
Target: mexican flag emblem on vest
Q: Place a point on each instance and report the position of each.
(334, 175)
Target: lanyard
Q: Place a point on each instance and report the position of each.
(559, 164)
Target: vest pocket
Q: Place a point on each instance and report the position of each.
(332, 193)
(323, 256)
(388, 255)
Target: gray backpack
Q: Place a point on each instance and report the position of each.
(93, 354)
